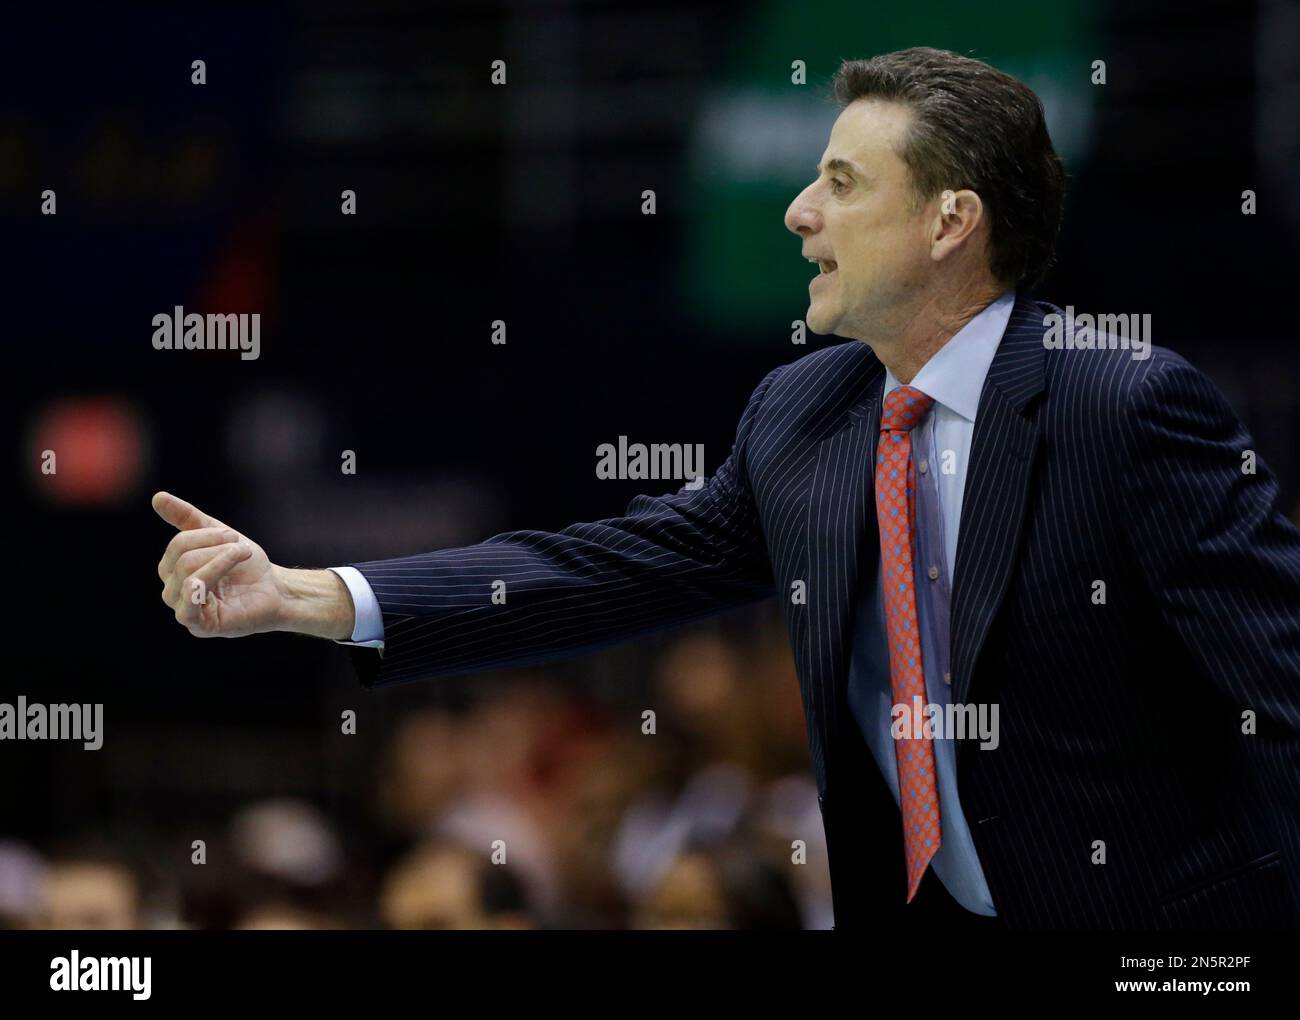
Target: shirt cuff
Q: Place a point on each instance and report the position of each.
(368, 630)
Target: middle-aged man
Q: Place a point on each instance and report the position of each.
(1075, 545)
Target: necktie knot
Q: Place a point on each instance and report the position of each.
(904, 407)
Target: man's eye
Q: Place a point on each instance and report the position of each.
(837, 186)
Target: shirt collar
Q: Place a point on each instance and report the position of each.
(954, 375)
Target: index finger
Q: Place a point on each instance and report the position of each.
(179, 514)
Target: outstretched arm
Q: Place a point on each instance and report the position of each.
(516, 599)
(528, 597)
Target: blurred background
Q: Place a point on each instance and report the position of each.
(477, 202)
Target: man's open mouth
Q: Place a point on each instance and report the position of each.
(827, 266)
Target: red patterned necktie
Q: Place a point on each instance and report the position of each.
(918, 791)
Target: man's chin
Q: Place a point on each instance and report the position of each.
(821, 323)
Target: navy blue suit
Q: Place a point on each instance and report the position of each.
(1121, 724)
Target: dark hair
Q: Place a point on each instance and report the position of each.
(974, 127)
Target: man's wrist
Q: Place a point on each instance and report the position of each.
(314, 602)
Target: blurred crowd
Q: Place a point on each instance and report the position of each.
(534, 802)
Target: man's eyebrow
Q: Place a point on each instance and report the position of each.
(837, 164)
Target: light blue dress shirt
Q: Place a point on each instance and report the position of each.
(954, 376)
(368, 630)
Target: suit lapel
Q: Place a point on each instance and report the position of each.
(841, 543)
(996, 493)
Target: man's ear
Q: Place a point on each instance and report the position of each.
(957, 215)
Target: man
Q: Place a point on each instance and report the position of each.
(1121, 614)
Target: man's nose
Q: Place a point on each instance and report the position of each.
(802, 217)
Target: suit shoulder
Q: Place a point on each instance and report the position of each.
(841, 356)
(808, 395)
(821, 379)
(1114, 369)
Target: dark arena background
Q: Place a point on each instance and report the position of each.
(255, 783)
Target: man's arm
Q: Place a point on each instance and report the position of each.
(1223, 564)
(528, 597)
(519, 598)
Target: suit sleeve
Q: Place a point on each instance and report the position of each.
(1223, 564)
(668, 560)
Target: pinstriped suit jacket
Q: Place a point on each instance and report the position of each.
(1123, 791)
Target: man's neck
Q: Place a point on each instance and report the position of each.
(910, 344)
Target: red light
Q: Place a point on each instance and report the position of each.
(88, 451)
